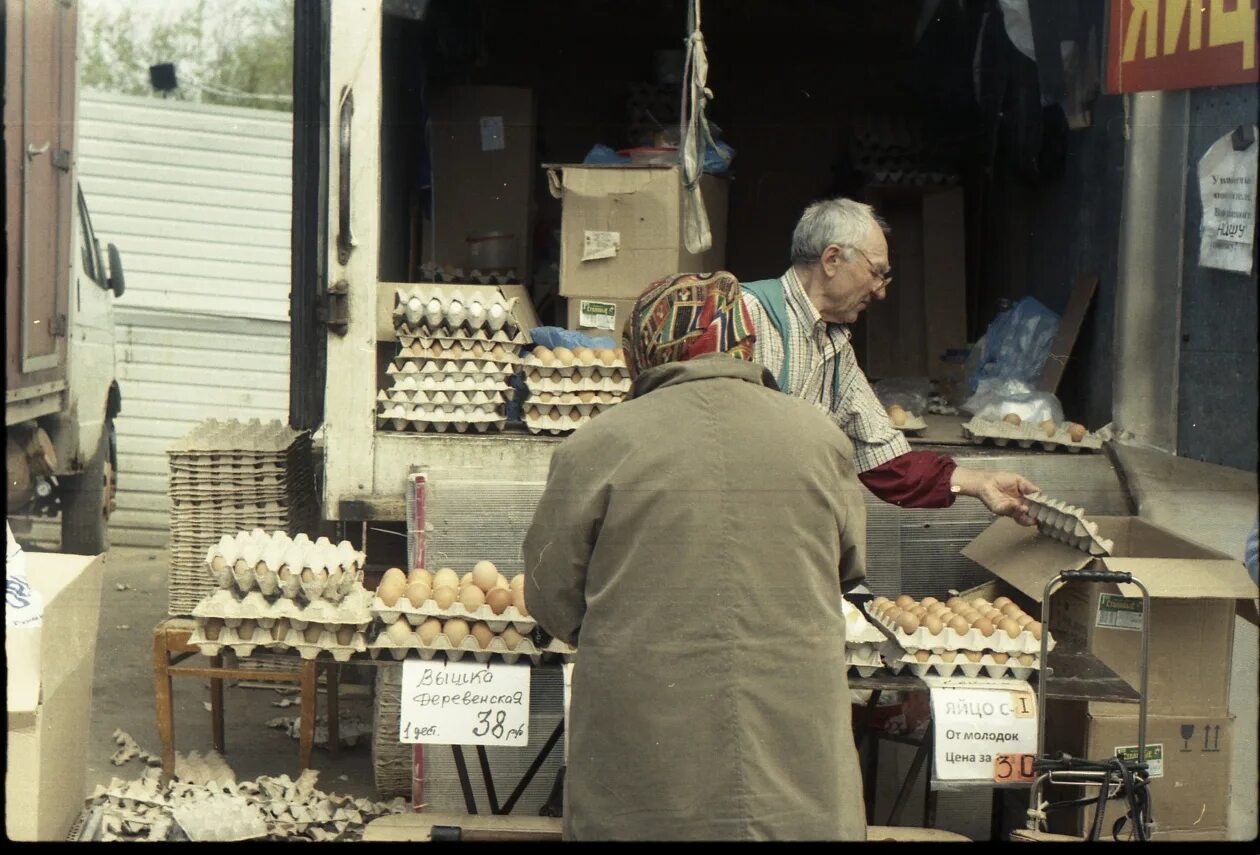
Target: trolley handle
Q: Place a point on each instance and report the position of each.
(1096, 576)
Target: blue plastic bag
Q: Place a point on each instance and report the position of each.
(1017, 344)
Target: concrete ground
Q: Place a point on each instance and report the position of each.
(133, 601)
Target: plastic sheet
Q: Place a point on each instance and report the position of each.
(1016, 345)
(909, 393)
(996, 399)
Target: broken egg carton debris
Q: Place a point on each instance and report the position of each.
(353, 610)
(442, 308)
(221, 818)
(455, 640)
(969, 663)
(1001, 433)
(275, 563)
(1067, 524)
(212, 635)
(957, 624)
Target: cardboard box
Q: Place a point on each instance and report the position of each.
(622, 227)
(599, 316)
(1195, 593)
(45, 777)
(1189, 757)
(482, 150)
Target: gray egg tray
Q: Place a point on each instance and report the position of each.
(247, 438)
(456, 397)
(384, 645)
(446, 383)
(982, 431)
(596, 372)
(224, 605)
(429, 609)
(948, 639)
(230, 638)
(1067, 524)
(987, 666)
(568, 385)
(421, 425)
(265, 580)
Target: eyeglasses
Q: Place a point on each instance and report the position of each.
(885, 277)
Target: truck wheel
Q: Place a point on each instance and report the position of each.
(84, 509)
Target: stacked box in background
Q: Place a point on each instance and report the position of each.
(231, 476)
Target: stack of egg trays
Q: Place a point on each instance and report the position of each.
(1067, 524)
(562, 398)
(230, 476)
(899, 660)
(862, 642)
(567, 652)
(468, 646)
(333, 586)
(981, 431)
(283, 624)
(907, 644)
(387, 615)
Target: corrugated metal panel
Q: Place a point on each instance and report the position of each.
(198, 200)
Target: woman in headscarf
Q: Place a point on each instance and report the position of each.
(692, 542)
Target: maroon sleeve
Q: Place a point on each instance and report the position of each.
(917, 479)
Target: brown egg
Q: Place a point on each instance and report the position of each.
(345, 636)
(308, 575)
(444, 596)
(481, 631)
(1035, 629)
(948, 655)
(584, 356)
(999, 658)
(517, 583)
(429, 630)
(212, 628)
(518, 600)
(939, 609)
(563, 355)
(399, 632)
(1026, 659)
(994, 615)
(897, 415)
(1076, 432)
(390, 590)
(511, 637)
(928, 602)
(472, 598)
(918, 611)
(499, 599)
(933, 624)
(973, 655)
(1000, 601)
(959, 625)
(980, 604)
(393, 573)
(484, 575)
(1009, 627)
(1012, 419)
(606, 355)
(1024, 620)
(955, 603)
(417, 593)
(905, 601)
(419, 574)
(878, 602)
(544, 355)
(892, 613)
(970, 616)
(1049, 427)
(985, 626)
(1011, 610)
(456, 630)
(908, 622)
(446, 577)
(923, 655)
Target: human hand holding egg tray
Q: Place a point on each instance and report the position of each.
(971, 636)
(279, 592)
(481, 613)
(458, 349)
(568, 388)
(1048, 434)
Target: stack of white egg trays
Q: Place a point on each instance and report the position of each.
(458, 348)
(1026, 435)
(416, 615)
(900, 649)
(279, 593)
(569, 388)
(863, 643)
(1067, 524)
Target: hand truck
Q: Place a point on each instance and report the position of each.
(1115, 777)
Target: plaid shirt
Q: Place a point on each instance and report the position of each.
(816, 347)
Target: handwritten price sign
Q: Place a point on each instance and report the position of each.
(464, 703)
(1013, 769)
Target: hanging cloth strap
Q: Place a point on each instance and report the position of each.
(696, 137)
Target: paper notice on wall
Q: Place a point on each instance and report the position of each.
(976, 722)
(600, 245)
(1227, 188)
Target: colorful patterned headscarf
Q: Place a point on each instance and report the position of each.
(685, 316)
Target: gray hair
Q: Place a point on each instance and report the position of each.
(832, 221)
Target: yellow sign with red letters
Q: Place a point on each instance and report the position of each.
(1180, 44)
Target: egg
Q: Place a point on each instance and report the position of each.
(345, 636)
(472, 598)
(1009, 627)
(544, 355)
(1076, 432)
(1026, 659)
(928, 602)
(511, 637)
(212, 629)
(564, 356)
(245, 630)
(419, 574)
(606, 356)
(1012, 419)
(390, 590)
(878, 602)
(972, 655)
(399, 632)
(918, 611)
(484, 574)
(897, 415)
(1024, 620)
(994, 615)
(970, 616)
(584, 356)
(959, 625)
(1011, 610)
(429, 630)
(1000, 601)
(586, 396)
(517, 583)
(985, 626)
(948, 655)
(933, 624)
(1049, 427)
(445, 596)
(482, 633)
(500, 581)
(456, 630)
(923, 655)
(417, 593)
(499, 599)
(980, 603)
(939, 609)
(891, 614)
(905, 601)
(1035, 628)
(446, 577)
(956, 603)
(518, 600)
(908, 622)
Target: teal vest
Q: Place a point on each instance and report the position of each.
(769, 293)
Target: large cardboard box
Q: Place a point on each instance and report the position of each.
(1195, 593)
(621, 227)
(482, 152)
(44, 781)
(599, 316)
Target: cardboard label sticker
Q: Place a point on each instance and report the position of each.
(492, 138)
(597, 314)
(1013, 769)
(596, 245)
(1117, 612)
(464, 703)
(1154, 757)
(1024, 704)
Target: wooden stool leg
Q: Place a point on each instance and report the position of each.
(216, 707)
(332, 681)
(165, 708)
(306, 728)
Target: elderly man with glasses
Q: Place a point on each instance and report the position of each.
(839, 265)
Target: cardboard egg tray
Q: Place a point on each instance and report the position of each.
(562, 398)
(439, 412)
(541, 412)
(864, 658)
(565, 424)
(567, 652)
(585, 368)
(569, 385)
(1067, 524)
(981, 431)
(446, 383)
(459, 349)
(913, 424)
(265, 581)
(987, 666)
(510, 341)
(477, 369)
(948, 639)
(295, 639)
(231, 609)
(441, 644)
(442, 308)
(456, 397)
(421, 425)
(536, 373)
(858, 630)
(428, 609)
(241, 438)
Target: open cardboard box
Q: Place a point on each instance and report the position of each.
(1195, 593)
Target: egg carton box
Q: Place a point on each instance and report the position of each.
(467, 647)
(443, 383)
(584, 397)
(864, 658)
(986, 665)
(448, 349)
(477, 369)
(417, 615)
(255, 435)
(445, 307)
(558, 385)
(341, 644)
(858, 630)
(948, 639)
(605, 360)
(981, 431)
(227, 606)
(566, 423)
(457, 397)
(1067, 524)
(535, 372)
(420, 426)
